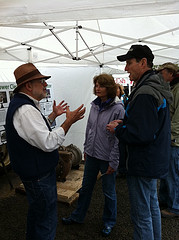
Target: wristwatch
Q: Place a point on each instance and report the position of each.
(50, 120)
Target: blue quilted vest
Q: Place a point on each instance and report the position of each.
(27, 161)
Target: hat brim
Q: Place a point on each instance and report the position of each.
(160, 69)
(170, 67)
(125, 57)
(30, 79)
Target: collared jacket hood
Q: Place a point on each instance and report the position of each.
(154, 85)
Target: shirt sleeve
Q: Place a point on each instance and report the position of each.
(31, 126)
(114, 157)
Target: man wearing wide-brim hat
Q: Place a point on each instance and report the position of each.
(169, 187)
(32, 147)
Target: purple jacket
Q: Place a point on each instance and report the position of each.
(99, 142)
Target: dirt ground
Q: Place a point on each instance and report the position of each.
(13, 210)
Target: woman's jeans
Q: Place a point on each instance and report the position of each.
(169, 187)
(42, 212)
(92, 168)
(145, 212)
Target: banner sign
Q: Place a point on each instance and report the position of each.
(125, 81)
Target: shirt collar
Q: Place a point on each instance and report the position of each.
(36, 102)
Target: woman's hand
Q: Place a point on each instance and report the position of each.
(110, 170)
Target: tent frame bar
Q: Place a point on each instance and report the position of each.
(73, 57)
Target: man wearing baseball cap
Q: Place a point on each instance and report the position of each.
(169, 187)
(145, 132)
(33, 148)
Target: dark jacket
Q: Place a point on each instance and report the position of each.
(145, 131)
(28, 162)
(174, 111)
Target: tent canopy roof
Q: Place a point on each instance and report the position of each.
(87, 32)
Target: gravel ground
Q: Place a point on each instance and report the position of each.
(13, 209)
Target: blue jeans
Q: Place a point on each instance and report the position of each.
(145, 212)
(92, 168)
(42, 212)
(169, 187)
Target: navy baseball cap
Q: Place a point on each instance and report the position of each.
(137, 52)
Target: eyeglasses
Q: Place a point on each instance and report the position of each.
(42, 81)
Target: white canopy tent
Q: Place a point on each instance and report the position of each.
(87, 32)
(74, 40)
